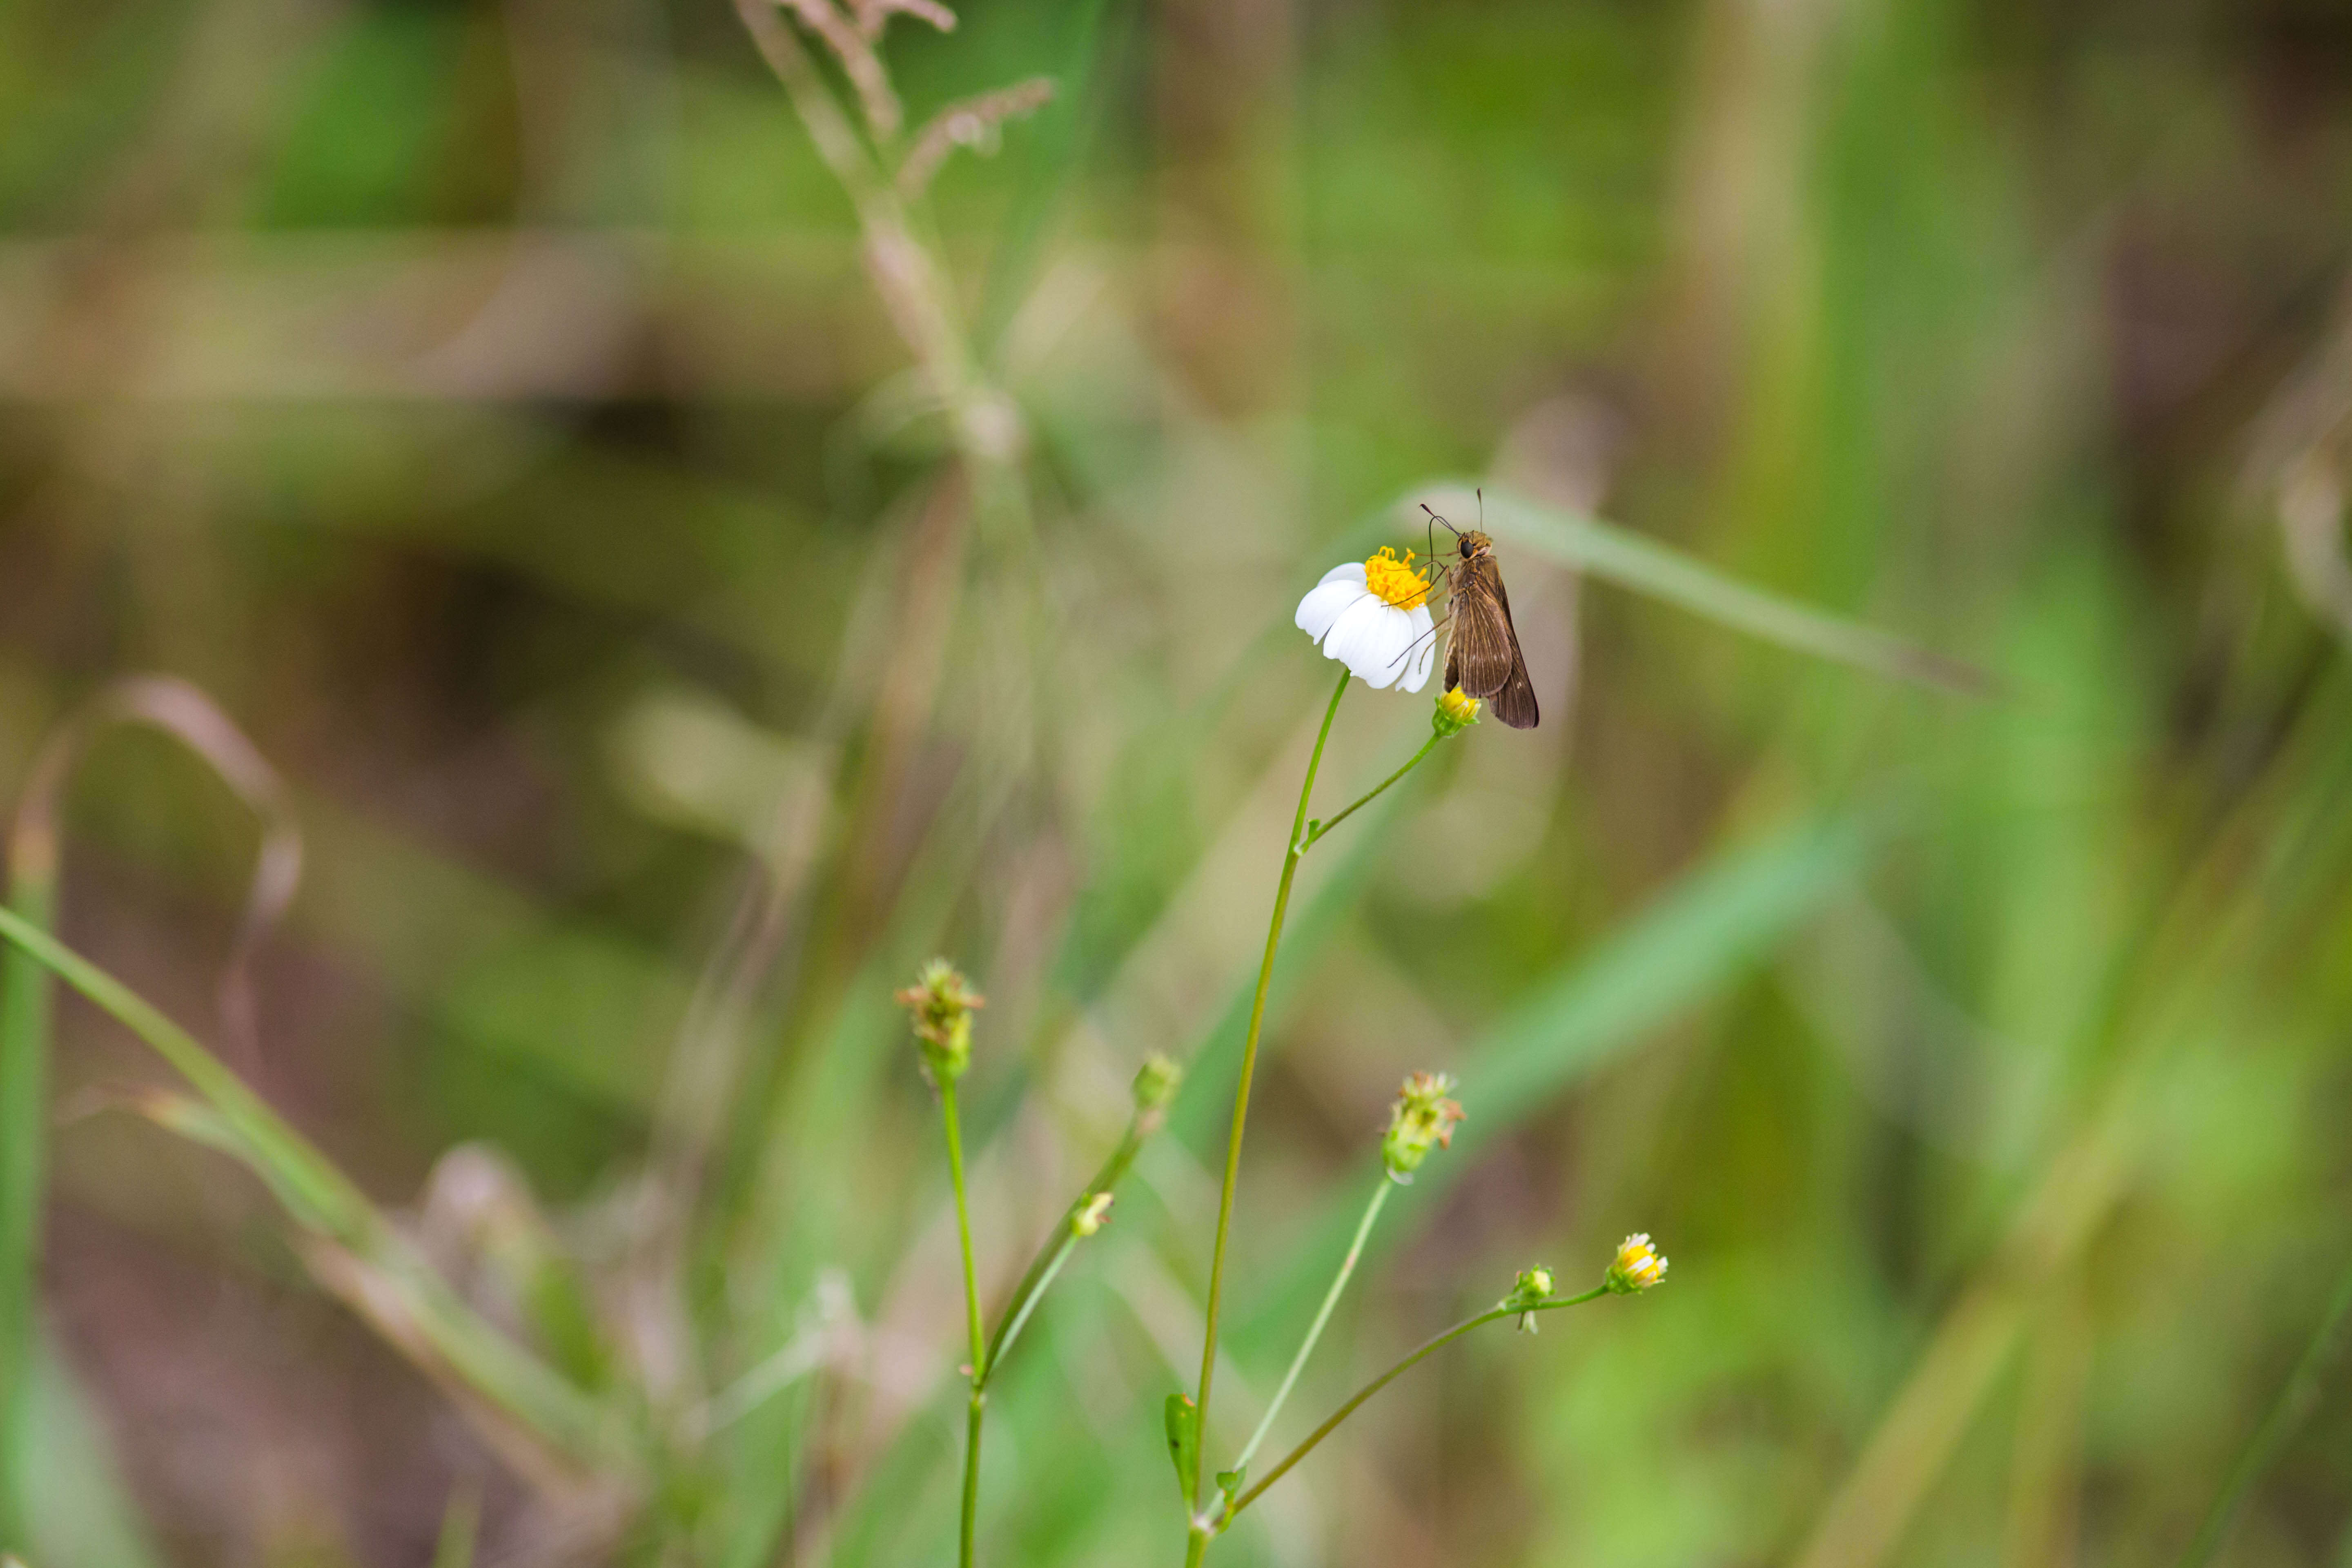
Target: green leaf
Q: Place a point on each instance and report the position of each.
(1230, 1483)
(1184, 1442)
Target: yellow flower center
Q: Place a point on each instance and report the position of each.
(1398, 581)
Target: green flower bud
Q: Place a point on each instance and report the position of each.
(1423, 1119)
(941, 1003)
(1533, 1285)
(1156, 1083)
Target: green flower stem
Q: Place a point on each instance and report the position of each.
(1059, 1246)
(25, 1009)
(1314, 1331)
(1320, 829)
(1053, 1258)
(972, 1309)
(1427, 1350)
(2286, 1413)
(1241, 1098)
(971, 1478)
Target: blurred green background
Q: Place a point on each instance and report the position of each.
(486, 404)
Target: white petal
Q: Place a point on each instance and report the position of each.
(1325, 600)
(1398, 662)
(1424, 652)
(1354, 636)
(1346, 571)
(1379, 655)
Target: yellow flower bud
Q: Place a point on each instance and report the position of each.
(1456, 712)
(1636, 1267)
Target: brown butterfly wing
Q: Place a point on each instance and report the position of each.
(1515, 704)
(1483, 656)
(1478, 657)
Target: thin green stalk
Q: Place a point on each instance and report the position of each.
(1057, 1247)
(24, 1007)
(1010, 1328)
(1323, 1316)
(970, 1478)
(460, 1525)
(1428, 1348)
(1241, 1092)
(972, 1310)
(1321, 828)
(2286, 1413)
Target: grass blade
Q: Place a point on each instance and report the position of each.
(460, 1525)
(2286, 1413)
(85, 1517)
(24, 1151)
(1694, 940)
(357, 1252)
(186, 714)
(1622, 556)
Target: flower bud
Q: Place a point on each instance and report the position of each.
(1421, 1118)
(1533, 1285)
(1156, 1083)
(1456, 712)
(941, 1003)
(1091, 1214)
(1636, 1267)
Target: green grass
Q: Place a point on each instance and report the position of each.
(1924, 909)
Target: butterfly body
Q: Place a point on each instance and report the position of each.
(1483, 656)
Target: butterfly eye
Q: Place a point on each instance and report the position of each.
(1465, 550)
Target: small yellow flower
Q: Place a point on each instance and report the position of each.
(1456, 712)
(1423, 1119)
(1091, 1214)
(1636, 1267)
(943, 1002)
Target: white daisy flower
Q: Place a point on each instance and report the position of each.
(1373, 616)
